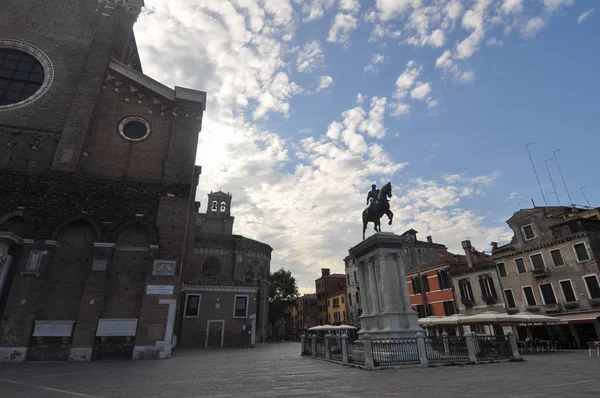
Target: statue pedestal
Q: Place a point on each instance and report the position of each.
(381, 261)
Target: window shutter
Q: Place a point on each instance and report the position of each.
(482, 286)
(494, 294)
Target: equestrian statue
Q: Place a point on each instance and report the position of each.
(377, 200)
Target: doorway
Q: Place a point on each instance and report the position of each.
(215, 331)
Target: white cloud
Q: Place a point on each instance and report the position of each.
(360, 99)
(407, 79)
(421, 91)
(467, 76)
(432, 104)
(493, 42)
(400, 109)
(553, 5)
(324, 82)
(531, 28)
(343, 25)
(349, 5)
(373, 66)
(453, 10)
(584, 15)
(310, 56)
(484, 180)
(314, 9)
(512, 6)
(512, 195)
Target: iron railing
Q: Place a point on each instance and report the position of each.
(488, 348)
(320, 347)
(390, 352)
(450, 350)
(335, 349)
(356, 352)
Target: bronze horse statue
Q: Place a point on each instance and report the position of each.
(374, 212)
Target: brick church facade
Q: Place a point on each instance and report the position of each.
(97, 206)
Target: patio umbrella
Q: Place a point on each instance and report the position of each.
(488, 317)
(346, 327)
(430, 320)
(527, 317)
(448, 320)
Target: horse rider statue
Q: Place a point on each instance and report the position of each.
(377, 200)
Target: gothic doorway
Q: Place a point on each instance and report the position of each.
(215, 331)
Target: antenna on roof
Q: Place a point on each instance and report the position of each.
(561, 175)
(586, 199)
(551, 180)
(535, 171)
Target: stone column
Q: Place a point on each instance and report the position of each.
(369, 364)
(405, 302)
(422, 349)
(470, 346)
(389, 283)
(328, 346)
(302, 342)
(512, 341)
(345, 357)
(313, 345)
(364, 288)
(446, 344)
(373, 288)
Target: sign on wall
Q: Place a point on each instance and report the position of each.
(159, 289)
(116, 327)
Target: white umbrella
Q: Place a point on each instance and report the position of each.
(527, 317)
(346, 327)
(449, 320)
(430, 320)
(315, 328)
(487, 317)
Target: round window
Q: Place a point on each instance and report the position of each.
(25, 74)
(134, 128)
(211, 267)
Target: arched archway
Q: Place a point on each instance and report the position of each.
(68, 271)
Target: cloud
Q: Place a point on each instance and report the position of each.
(310, 56)
(512, 6)
(343, 25)
(324, 82)
(373, 66)
(512, 195)
(531, 28)
(421, 91)
(493, 42)
(553, 5)
(349, 5)
(360, 99)
(314, 9)
(484, 180)
(407, 79)
(584, 15)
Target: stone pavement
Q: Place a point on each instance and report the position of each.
(277, 370)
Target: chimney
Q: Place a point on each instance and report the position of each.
(324, 272)
(429, 240)
(494, 245)
(466, 244)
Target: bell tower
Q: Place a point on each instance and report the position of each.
(218, 217)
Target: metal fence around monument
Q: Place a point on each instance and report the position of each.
(335, 349)
(356, 352)
(451, 350)
(320, 347)
(489, 348)
(391, 352)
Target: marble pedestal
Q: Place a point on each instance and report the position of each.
(381, 261)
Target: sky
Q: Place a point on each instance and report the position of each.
(309, 102)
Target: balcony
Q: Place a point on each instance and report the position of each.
(467, 302)
(488, 299)
(595, 302)
(532, 308)
(552, 307)
(572, 304)
(540, 273)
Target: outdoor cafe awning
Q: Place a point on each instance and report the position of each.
(489, 317)
(580, 318)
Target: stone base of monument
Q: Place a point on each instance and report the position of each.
(381, 261)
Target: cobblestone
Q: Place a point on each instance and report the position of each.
(277, 370)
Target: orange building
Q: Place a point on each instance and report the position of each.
(430, 286)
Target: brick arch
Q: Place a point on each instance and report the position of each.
(25, 230)
(148, 228)
(86, 219)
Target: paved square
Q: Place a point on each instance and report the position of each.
(278, 370)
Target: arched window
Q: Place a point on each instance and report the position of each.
(213, 206)
(223, 207)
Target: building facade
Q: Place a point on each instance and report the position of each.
(551, 267)
(304, 313)
(325, 286)
(353, 310)
(225, 283)
(336, 308)
(97, 163)
(430, 285)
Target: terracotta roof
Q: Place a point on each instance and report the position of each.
(217, 280)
